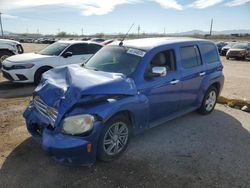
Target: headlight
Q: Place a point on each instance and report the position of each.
(22, 66)
(78, 124)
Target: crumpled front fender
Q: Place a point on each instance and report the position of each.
(137, 106)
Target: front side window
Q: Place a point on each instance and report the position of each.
(210, 53)
(117, 59)
(54, 49)
(78, 49)
(164, 59)
(190, 56)
(240, 46)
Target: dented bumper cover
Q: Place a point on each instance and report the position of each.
(64, 148)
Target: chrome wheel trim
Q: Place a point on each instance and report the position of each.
(210, 101)
(3, 58)
(116, 138)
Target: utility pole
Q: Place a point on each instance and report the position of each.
(82, 32)
(164, 31)
(211, 27)
(1, 23)
(138, 29)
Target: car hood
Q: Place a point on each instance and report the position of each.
(65, 86)
(27, 57)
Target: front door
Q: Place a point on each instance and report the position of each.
(163, 92)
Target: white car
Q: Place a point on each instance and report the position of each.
(9, 48)
(29, 67)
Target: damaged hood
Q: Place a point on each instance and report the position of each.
(65, 86)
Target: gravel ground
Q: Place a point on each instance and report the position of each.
(237, 79)
(191, 151)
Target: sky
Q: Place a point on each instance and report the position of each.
(116, 16)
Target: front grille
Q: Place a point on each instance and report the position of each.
(47, 111)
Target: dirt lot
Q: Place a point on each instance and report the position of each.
(181, 153)
(191, 151)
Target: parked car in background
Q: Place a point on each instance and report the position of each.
(99, 40)
(226, 48)
(9, 48)
(239, 51)
(220, 45)
(79, 113)
(29, 67)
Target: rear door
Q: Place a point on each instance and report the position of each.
(193, 72)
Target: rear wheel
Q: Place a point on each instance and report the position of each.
(114, 138)
(38, 74)
(3, 55)
(209, 101)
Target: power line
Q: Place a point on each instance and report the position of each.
(1, 23)
(211, 27)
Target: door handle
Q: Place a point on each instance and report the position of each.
(202, 73)
(173, 82)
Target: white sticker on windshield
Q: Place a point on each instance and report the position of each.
(136, 52)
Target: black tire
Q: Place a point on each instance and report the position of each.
(204, 107)
(102, 154)
(3, 55)
(38, 74)
(227, 57)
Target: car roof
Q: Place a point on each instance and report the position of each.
(78, 42)
(150, 43)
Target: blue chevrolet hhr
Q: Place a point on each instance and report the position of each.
(80, 113)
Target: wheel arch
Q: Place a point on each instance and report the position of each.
(216, 85)
(40, 68)
(127, 113)
(43, 67)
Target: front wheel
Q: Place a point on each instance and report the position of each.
(114, 138)
(209, 101)
(3, 55)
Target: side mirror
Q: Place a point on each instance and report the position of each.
(159, 71)
(67, 54)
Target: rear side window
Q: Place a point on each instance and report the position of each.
(190, 56)
(210, 53)
(93, 48)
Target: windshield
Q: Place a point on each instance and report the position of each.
(240, 46)
(117, 59)
(229, 45)
(54, 49)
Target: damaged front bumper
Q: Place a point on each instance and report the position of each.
(64, 148)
